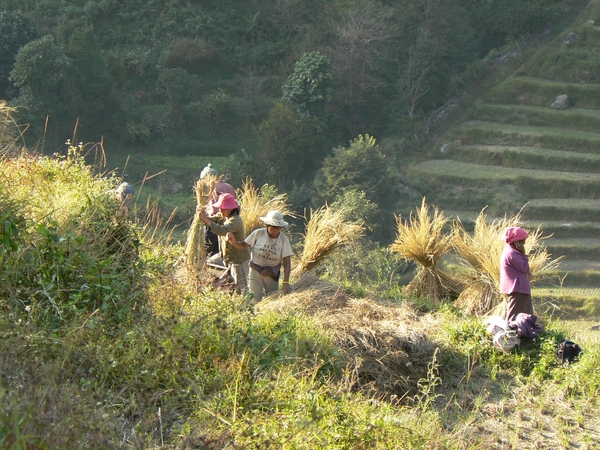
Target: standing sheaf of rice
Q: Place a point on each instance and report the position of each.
(326, 231)
(423, 240)
(256, 203)
(480, 252)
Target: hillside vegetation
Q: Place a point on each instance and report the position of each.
(514, 149)
(106, 343)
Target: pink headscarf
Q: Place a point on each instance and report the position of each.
(513, 234)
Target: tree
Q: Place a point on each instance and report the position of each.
(288, 145)
(310, 87)
(16, 30)
(361, 167)
(360, 35)
(41, 72)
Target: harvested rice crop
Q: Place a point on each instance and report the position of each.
(387, 346)
(194, 248)
(256, 203)
(326, 231)
(423, 240)
(480, 252)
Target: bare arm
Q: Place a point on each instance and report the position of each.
(237, 244)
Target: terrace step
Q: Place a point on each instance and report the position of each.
(564, 229)
(574, 248)
(492, 133)
(526, 157)
(536, 183)
(574, 273)
(524, 90)
(567, 209)
(563, 301)
(572, 118)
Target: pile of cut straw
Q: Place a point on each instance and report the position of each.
(387, 346)
(481, 252)
(424, 241)
(326, 230)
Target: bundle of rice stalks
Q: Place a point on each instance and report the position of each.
(481, 251)
(326, 231)
(423, 240)
(256, 203)
(194, 248)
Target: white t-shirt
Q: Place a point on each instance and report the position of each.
(267, 251)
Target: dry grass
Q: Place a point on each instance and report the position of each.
(481, 252)
(255, 203)
(424, 241)
(9, 131)
(386, 345)
(326, 231)
(195, 252)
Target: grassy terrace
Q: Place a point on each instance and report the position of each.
(567, 209)
(450, 168)
(524, 90)
(573, 118)
(527, 157)
(481, 132)
(587, 248)
(565, 228)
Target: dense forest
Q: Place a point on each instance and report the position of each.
(280, 85)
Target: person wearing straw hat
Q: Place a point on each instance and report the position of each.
(515, 273)
(270, 250)
(228, 221)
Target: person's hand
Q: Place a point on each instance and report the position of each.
(203, 215)
(286, 288)
(230, 237)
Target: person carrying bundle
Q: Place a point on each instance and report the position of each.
(270, 250)
(228, 221)
(211, 240)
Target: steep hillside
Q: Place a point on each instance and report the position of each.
(520, 146)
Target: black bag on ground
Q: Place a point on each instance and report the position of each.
(567, 351)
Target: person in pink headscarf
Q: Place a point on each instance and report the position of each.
(515, 273)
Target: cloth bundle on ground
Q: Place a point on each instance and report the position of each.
(504, 338)
(526, 325)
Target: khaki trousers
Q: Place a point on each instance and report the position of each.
(261, 285)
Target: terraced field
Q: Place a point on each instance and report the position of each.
(514, 141)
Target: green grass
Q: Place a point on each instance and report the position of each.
(524, 90)
(527, 157)
(489, 133)
(567, 209)
(565, 228)
(459, 169)
(575, 248)
(572, 118)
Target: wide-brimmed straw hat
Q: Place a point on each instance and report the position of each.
(275, 219)
(226, 201)
(513, 234)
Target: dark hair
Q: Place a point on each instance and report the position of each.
(235, 211)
